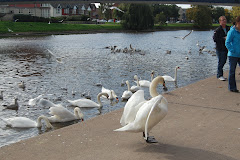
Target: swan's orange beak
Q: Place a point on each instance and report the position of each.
(117, 99)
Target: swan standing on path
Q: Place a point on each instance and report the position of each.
(169, 78)
(127, 94)
(61, 114)
(149, 114)
(137, 100)
(23, 122)
(87, 103)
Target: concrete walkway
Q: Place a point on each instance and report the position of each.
(203, 123)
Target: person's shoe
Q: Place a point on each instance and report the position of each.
(234, 90)
(222, 78)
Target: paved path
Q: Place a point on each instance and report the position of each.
(203, 123)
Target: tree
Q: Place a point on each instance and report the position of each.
(138, 17)
(217, 12)
(118, 14)
(202, 16)
(105, 12)
(228, 15)
(160, 18)
(235, 12)
(167, 10)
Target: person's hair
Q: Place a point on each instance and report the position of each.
(221, 17)
(237, 19)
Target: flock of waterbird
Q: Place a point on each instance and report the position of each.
(139, 114)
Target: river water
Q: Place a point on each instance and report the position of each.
(84, 62)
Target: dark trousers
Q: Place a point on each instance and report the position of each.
(222, 58)
(231, 78)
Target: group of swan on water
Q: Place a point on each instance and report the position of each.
(114, 49)
(139, 115)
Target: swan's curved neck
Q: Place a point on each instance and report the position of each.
(16, 101)
(128, 85)
(78, 113)
(153, 85)
(98, 98)
(137, 81)
(175, 76)
(39, 124)
(152, 76)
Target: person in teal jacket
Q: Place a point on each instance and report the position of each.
(233, 45)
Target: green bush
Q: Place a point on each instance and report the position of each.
(29, 18)
(77, 18)
(57, 19)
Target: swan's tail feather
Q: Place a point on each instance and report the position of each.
(127, 128)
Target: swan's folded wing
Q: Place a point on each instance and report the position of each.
(128, 115)
(150, 113)
(60, 112)
(168, 78)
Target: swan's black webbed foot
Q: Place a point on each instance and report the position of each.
(151, 139)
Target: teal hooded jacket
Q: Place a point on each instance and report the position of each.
(233, 42)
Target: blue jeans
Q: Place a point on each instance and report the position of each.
(222, 58)
(231, 78)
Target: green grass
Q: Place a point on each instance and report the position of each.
(56, 27)
(61, 27)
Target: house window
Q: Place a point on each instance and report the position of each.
(66, 11)
(30, 11)
(45, 5)
(2, 10)
(21, 11)
(58, 11)
(45, 13)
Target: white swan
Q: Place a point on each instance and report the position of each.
(137, 100)
(61, 114)
(137, 87)
(149, 114)
(89, 103)
(24, 122)
(127, 94)
(145, 83)
(46, 103)
(111, 94)
(131, 107)
(169, 78)
(34, 101)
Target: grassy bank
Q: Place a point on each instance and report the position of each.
(40, 27)
(53, 27)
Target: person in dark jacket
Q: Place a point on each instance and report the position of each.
(219, 37)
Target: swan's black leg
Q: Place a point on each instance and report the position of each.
(151, 139)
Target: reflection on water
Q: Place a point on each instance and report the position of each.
(86, 62)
